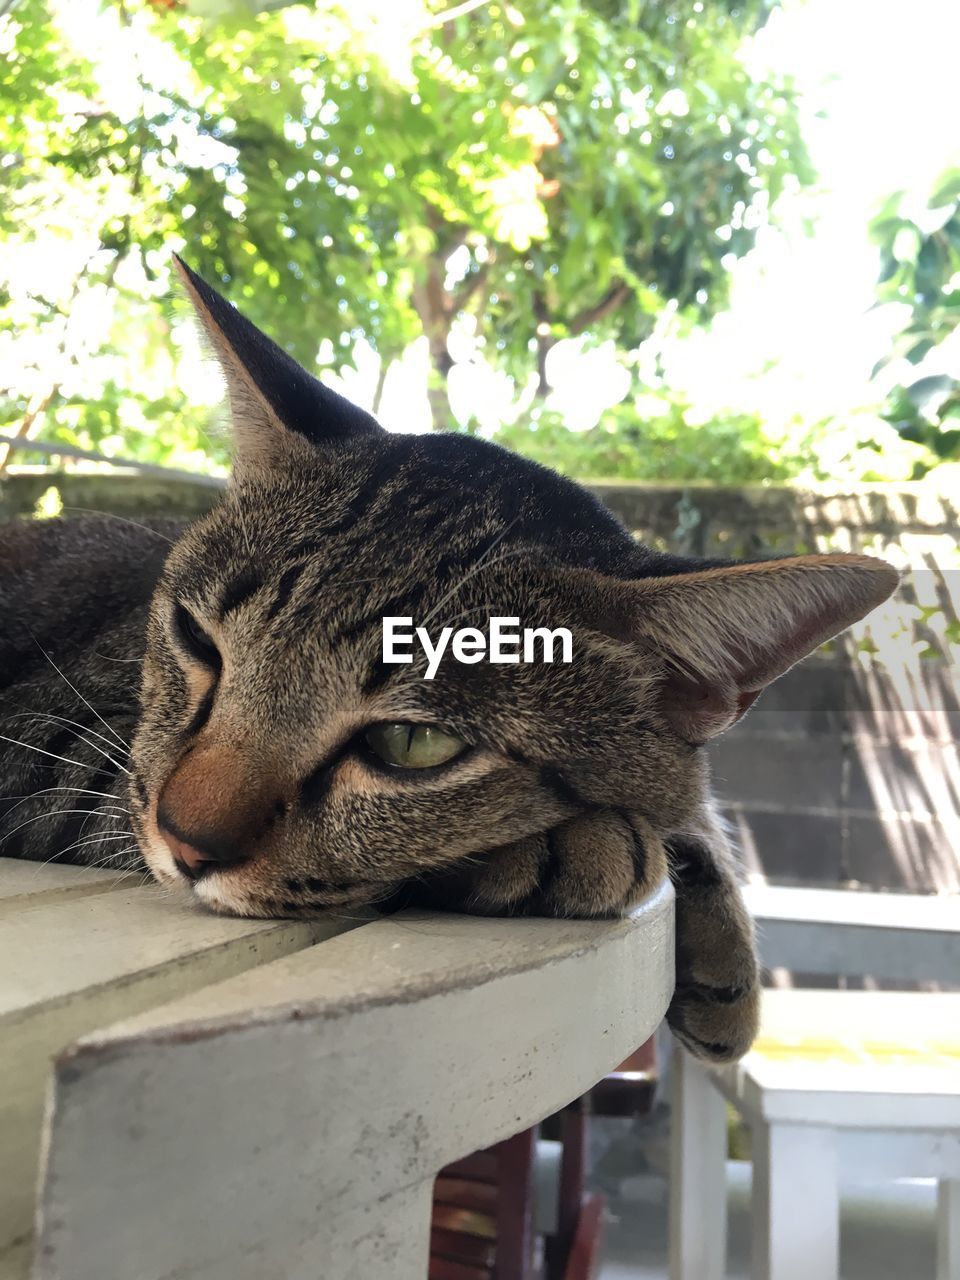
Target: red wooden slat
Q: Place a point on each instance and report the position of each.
(447, 1269)
(466, 1193)
(623, 1093)
(464, 1221)
(481, 1166)
(642, 1059)
(515, 1206)
(572, 1175)
(461, 1248)
(584, 1260)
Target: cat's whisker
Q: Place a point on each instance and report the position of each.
(75, 724)
(84, 844)
(241, 520)
(22, 800)
(108, 774)
(109, 515)
(481, 564)
(166, 891)
(78, 736)
(105, 795)
(57, 813)
(102, 812)
(112, 867)
(52, 754)
(500, 537)
(111, 858)
(144, 878)
(111, 855)
(72, 686)
(110, 811)
(54, 857)
(421, 660)
(66, 759)
(120, 874)
(342, 915)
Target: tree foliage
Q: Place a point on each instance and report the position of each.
(520, 174)
(920, 248)
(670, 444)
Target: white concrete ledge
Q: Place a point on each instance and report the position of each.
(288, 1120)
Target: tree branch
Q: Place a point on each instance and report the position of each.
(611, 301)
(381, 383)
(545, 342)
(25, 426)
(432, 304)
(448, 15)
(40, 404)
(469, 286)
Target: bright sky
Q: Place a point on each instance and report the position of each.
(879, 84)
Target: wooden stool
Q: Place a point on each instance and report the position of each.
(482, 1226)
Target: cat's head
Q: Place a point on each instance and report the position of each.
(281, 766)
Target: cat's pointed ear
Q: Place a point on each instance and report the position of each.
(271, 396)
(727, 632)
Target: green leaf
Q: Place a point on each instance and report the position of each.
(907, 243)
(927, 394)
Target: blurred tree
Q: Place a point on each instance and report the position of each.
(510, 174)
(671, 445)
(920, 269)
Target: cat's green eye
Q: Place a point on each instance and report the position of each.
(413, 746)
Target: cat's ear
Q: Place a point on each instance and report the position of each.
(271, 396)
(727, 632)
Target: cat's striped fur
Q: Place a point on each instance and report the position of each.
(221, 676)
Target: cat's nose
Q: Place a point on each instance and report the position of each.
(198, 854)
(216, 809)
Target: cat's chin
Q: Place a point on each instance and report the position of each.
(207, 893)
(222, 895)
(214, 897)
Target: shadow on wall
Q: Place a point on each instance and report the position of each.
(847, 771)
(846, 776)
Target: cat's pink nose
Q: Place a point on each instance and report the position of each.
(198, 855)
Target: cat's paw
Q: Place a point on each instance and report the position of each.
(594, 865)
(717, 1020)
(600, 864)
(716, 1002)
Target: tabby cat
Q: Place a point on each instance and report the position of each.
(210, 701)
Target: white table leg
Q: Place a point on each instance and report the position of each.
(796, 1207)
(698, 1184)
(948, 1229)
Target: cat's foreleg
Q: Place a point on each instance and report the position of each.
(716, 1001)
(600, 864)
